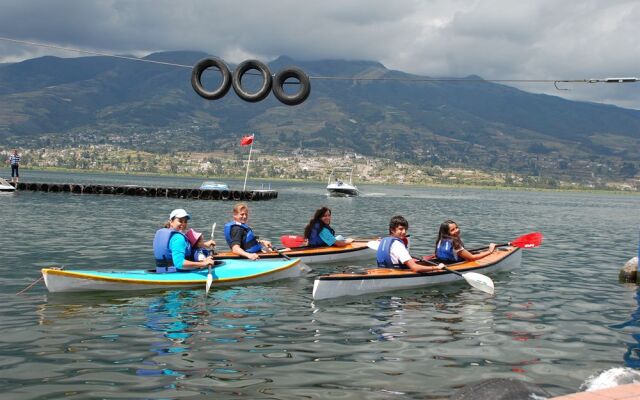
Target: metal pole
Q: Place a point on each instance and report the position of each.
(248, 162)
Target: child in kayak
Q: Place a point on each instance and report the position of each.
(199, 246)
(318, 231)
(449, 246)
(392, 252)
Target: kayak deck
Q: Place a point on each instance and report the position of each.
(229, 272)
(352, 251)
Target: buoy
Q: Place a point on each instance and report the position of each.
(629, 273)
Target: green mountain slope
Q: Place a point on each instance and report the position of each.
(53, 101)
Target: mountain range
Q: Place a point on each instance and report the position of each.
(52, 101)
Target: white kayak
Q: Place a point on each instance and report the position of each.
(376, 280)
(355, 251)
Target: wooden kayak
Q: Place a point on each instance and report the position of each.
(227, 272)
(356, 251)
(376, 280)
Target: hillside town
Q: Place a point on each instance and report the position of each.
(304, 165)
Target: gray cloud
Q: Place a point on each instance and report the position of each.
(496, 39)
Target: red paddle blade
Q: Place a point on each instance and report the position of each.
(292, 240)
(533, 239)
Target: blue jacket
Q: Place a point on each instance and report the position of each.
(161, 250)
(314, 236)
(383, 255)
(445, 251)
(250, 243)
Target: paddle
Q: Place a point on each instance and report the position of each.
(209, 276)
(478, 281)
(286, 257)
(526, 241)
(298, 241)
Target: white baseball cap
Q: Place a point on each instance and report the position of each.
(179, 213)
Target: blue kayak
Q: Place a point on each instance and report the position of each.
(227, 272)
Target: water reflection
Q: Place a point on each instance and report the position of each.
(632, 355)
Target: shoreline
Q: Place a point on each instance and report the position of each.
(312, 181)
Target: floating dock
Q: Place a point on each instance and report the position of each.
(145, 191)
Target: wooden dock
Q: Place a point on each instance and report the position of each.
(146, 191)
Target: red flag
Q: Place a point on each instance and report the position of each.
(246, 140)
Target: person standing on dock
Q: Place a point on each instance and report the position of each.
(240, 236)
(14, 160)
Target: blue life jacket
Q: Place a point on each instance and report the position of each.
(250, 243)
(161, 250)
(200, 254)
(314, 235)
(383, 255)
(445, 251)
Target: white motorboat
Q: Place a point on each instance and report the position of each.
(6, 186)
(210, 185)
(336, 187)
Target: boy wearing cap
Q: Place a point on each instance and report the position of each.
(171, 247)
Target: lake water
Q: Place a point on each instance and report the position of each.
(558, 320)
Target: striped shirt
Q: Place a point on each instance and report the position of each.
(14, 159)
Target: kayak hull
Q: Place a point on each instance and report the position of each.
(231, 272)
(377, 280)
(356, 251)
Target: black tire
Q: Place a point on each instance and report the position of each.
(236, 195)
(54, 188)
(267, 81)
(303, 92)
(225, 194)
(77, 189)
(196, 78)
(215, 195)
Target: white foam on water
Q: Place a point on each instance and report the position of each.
(611, 378)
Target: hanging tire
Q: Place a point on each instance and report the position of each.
(215, 195)
(298, 97)
(242, 69)
(224, 195)
(196, 78)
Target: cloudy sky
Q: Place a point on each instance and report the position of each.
(495, 39)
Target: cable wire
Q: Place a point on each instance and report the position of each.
(345, 78)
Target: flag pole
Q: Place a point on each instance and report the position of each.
(248, 162)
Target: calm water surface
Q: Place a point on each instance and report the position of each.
(559, 319)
